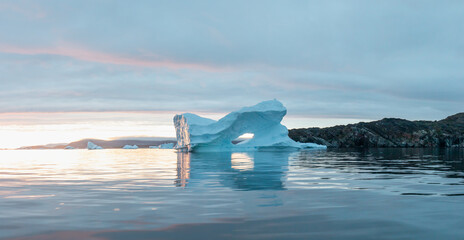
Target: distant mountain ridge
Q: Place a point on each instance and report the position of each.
(388, 132)
(119, 143)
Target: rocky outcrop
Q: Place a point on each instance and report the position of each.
(388, 132)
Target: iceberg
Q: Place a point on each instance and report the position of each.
(166, 146)
(69, 147)
(195, 133)
(93, 146)
(130, 147)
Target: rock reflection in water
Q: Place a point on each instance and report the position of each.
(386, 160)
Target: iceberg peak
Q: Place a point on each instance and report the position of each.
(195, 133)
(92, 146)
(130, 147)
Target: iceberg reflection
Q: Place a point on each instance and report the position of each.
(241, 171)
(183, 170)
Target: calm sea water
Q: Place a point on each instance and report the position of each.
(161, 194)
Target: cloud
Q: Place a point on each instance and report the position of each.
(357, 59)
(100, 57)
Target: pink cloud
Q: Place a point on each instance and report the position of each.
(101, 57)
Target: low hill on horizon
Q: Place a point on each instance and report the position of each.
(388, 132)
(118, 143)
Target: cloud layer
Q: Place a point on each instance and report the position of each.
(333, 59)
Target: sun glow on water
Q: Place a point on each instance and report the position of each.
(18, 136)
(242, 162)
(68, 167)
(28, 129)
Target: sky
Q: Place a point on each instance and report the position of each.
(103, 69)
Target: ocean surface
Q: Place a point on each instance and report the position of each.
(161, 194)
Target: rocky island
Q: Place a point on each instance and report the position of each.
(388, 132)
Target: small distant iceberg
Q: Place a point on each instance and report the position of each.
(93, 146)
(166, 146)
(130, 147)
(195, 133)
(69, 147)
(163, 146)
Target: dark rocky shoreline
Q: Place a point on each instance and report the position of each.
(388, 132)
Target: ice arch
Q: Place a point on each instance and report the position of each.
(195, 133)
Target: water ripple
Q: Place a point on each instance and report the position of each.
(44, 191)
